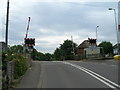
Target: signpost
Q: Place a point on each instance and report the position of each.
(28, 42)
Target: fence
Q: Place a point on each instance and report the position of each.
(80, 57)
(28, 59)
(95, 56)
(90, 56)
(10, 71)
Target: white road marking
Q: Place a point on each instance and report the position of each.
(95, 75)
(113, 65)
(103, 63)
(108, 64)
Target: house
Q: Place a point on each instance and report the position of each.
(82, 46)
(88, 49)
(2, 46)
(115, 49)
(2, 49)
(86, 44)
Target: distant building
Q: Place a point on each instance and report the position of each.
(2, 49)
(115, 49)
(2, 46)
(88, 49)
(86, 44)
(82, 46)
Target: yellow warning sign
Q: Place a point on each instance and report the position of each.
(93, 52)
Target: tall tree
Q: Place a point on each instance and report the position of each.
(58, 54)
(18, 49)
(48, 57)
(38, 55)
(107, 47)
(66, 50)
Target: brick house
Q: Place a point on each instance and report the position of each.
(82, 46)
(88, 49)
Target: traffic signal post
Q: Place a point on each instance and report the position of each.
(29, 43)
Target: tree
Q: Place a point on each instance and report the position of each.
(66, 50)
(18, 49)
(38, 55)
(58, 54)
(48, 57)
(107, 47)
(35, 54)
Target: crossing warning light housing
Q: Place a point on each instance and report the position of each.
(29, 41)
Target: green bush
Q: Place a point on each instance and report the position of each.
(20, 66)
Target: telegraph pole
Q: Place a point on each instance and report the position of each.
(7, 20)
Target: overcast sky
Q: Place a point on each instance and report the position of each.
(54, 21)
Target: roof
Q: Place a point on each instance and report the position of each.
(115, 46)
(84, 44)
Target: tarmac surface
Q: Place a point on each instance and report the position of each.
(72, 74)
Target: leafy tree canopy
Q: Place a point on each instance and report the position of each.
(107, 47)
(66, 50)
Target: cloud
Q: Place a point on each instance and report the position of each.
(53, 22)
(68, 1)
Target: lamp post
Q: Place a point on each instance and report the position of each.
(96, 33)
(116, 28)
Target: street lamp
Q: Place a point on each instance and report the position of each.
(116, 28)
(96, 33)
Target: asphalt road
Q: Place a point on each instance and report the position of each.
(72, 74)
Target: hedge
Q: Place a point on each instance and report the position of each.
(20, 66)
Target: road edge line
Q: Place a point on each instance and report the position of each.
(91, 73)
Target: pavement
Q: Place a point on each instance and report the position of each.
(71, 74)
(31, 77)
